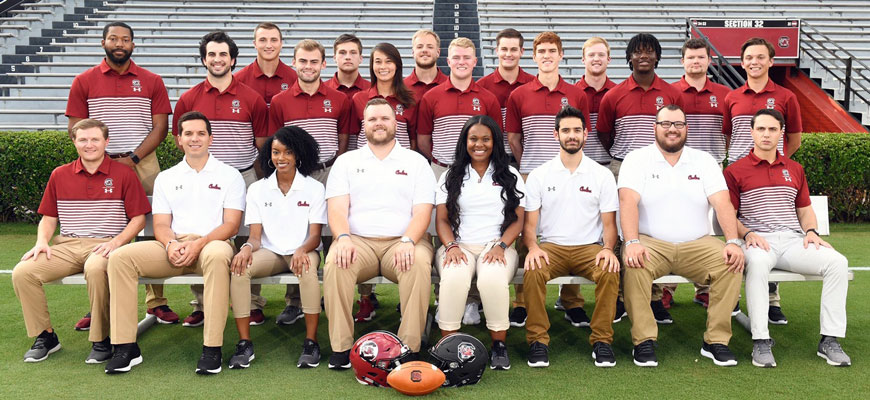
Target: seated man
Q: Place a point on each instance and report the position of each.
(198, 206)
(665, 193)
(575, 200)
(100, 205)
(776, 219)
(379, 204)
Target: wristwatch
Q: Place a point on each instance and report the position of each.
(737, 242)
(632, 241)
(406, 239)
(503, 245)
(134, 158)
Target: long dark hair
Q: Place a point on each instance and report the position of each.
(402, 93)
(501, 174)
(303, 146)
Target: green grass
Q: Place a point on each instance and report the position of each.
(171, 352)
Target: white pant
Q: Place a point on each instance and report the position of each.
(787, 253)
(493, 281)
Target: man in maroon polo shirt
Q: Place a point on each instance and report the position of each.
(626, 121)
(347, 51)
(100, 206)
(311, 105)
(267, 75)
(426, 46)
(529, 119)
(134, 104)
(238, 116)
(508, 76)
(760, 92)
(595, 83)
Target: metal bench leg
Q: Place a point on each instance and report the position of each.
(743, 319)
(145, 323)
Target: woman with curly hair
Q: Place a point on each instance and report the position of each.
(286, 211)
(479, 214)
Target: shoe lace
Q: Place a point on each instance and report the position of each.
(499, 350)
(765, 346)
(604, 350)
(39, 342)
(646, 348)
(163, 308)
(538, 349)
(833, 346)
(718, 348)
(308, 347)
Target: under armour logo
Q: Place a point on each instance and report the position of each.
(179, 187)
(360, 170)
(551, 188)
(107, 190)
(236, 111)
(655, 176)
(267, 204)
(137, 88)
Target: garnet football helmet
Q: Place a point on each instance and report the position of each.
(374, 355)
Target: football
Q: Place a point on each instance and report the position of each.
(416, 378)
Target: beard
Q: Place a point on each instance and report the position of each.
(569, 150)
(426, 66)
(118, 60)
(671, 148)
(378, 141)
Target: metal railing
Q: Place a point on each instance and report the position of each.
(721, 69)
(823, 55)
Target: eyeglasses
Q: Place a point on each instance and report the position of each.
(667, 124)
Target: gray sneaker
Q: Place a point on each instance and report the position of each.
(45, 344)
(832, 352)
(762, 355)
(310, 357)
(499, 356)
(290, 315)
(100, 352)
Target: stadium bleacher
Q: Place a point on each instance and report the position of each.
(47, 43)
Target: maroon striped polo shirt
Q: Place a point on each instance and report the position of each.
(359, 85)
(421, 88)
(704, 110)
(267, 86)
(594, 149)
(406, 118)
(742, 103)
(502, 89)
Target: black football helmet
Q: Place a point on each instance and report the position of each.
(461, 357)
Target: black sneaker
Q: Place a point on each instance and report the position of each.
(719, 353)
(538, 357)
(660, 313)
(374, 299)
(518, 317)
(310, 357)
(602, 355)
(210, 361)
(645, 354)
(498, 358)
(577, 316)
(45, 344)
(775, 316)
(124, 357)
(290, 315)
(100, 352)
(340, 360)
(620, 311)
(243, 356)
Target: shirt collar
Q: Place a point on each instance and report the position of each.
(473, 87)
(657, 83)
(281, 72)
(560, 87)
(522, 77)
(608, 84)
(210, 165)
(367, 151)
(657, 156)
(780, 159)
(558, 166)
(132, 70)
(439, 78)
(359, 83)
(231, 89)
(296, 90)
(79, 167)
(470, 172)
(769, 87)
(684, 85)
(297, 184)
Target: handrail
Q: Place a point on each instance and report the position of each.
(6, 5)
(817, 55)
(723, 71)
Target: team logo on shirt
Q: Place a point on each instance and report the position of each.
(237, 107)
(585, 189)
(660, 102)
(302, 204)
(137, 85)
(786, 175)
(401, 172)
(214, 186)
(285, 86)
(108, 186)
(400, 110)
(475, 104)
(771, 103)
(327, 106)
(694, 178)
(714, 102)
(565, 102)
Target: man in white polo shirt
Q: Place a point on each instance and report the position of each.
(665, 193)
(575, 200)
(197, 208)
(379, 202)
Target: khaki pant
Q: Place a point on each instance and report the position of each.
(374, 257)
(493, 283)
(576, 261)
(267, 263)
(698, 260)
(149, 259)
(147, 171)
(68, 256)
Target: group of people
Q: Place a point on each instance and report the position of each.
(527, 175)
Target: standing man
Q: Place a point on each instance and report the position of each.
(267, 75)
(760, 92)
(595, 83)
(347, 52)
(626, 122)
(444, 109)
(134, 104)
(311, 105)
(100, 206)
(665, 193)
(529, 118)
(237, 115)
(776, 219)
(509, 75)
(198, 206)
(426, 46)
(374, 237)
(574, 199)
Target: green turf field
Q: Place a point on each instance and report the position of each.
(171, 352)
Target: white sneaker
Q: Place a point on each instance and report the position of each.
(472, 315)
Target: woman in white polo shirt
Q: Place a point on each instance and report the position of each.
(285, 211)
(479, 214)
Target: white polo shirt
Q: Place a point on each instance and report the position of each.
(196, 200)
(571, 203)
(285, 218)
(673, 199)
(382, 192)
(480, 204)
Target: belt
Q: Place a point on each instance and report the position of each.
(120, 155)
(325, 165)
(436, 162)
(617, 159)
(246, 169)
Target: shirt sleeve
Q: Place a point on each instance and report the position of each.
(181, 107)
(631, 171)
(160, 98)
(77, 103)
(441, 189)
(733, 186)
(583, 105)
(513, 119)
(276, 112)
(424, 187)
(412, 122)
(345, 127)
(235, 198)
(713, 179)
(726, 116)
(606, 118)
(793, 116)
(317, 211)
(48, 205)
(803, 196)
(135, 201)
(356, 116)
(260, 118)
(493, 108)
(520, 186)
(337, 184)
(252, 206)
(533, 192)
(159, 202)
(425, 117)
(609, 199)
